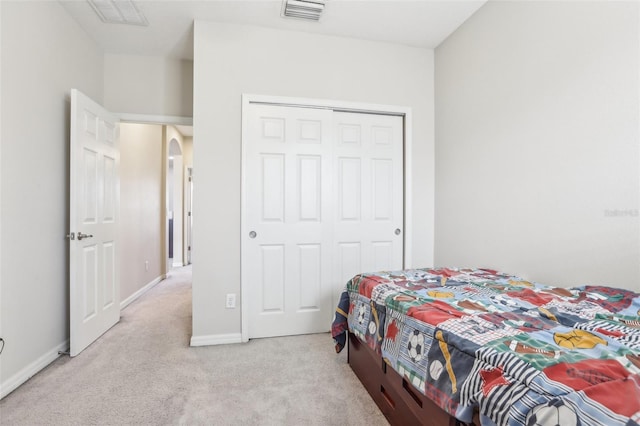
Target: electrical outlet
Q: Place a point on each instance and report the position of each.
(146, 265)
(231, 300)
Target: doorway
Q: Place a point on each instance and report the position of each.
(134, 201)
(145, 200)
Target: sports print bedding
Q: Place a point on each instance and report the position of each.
(519, 352)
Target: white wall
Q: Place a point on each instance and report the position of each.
(187, 151)
(148, 85)
(231, 60)
(141, 162)
(537, 142)
(1, 319)
(44, 55)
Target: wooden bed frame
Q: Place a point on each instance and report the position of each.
(399, 401)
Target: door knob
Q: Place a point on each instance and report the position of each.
(253, 234)
(83, 236)
(397, 231)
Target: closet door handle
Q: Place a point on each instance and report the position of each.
(397, 231)
(253, 234)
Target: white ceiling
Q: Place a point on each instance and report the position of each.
(420, 23)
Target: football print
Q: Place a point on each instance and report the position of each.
(440, 294)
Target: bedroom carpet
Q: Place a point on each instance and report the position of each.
(143, 371)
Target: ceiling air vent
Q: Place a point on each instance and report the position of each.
(303, 9)
(118, 12)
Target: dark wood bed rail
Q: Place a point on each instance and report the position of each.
(400, 402)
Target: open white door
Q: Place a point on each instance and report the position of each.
(94, 209)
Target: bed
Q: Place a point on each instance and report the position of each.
(476, 346)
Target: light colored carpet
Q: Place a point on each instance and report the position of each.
(143, 372)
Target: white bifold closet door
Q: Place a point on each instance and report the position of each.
(323, 201)
(368, 195)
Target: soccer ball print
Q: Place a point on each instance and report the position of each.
(362, 314)
(415, 346)
(553, 413)
(359, 317)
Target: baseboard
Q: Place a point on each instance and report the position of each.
(126, 302)
(216, 339)
(30, 370)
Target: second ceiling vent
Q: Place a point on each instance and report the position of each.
(303, 9)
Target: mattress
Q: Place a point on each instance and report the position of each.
(517, 352)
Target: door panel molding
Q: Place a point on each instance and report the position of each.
(381, 138)
(94, 200)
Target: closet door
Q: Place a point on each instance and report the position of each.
(322, 201)
(287, 235)
(368, 193)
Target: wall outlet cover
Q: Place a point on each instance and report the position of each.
(231, 301)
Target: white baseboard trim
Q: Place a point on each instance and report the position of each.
(126, 302)
(216, 339)
(30, 370)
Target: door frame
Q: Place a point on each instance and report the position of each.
(187, 212)
(341, 106)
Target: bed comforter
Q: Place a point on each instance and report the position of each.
(517, 351)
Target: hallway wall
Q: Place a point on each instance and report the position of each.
(141, 186)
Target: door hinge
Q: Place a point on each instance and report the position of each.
(71, 236)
